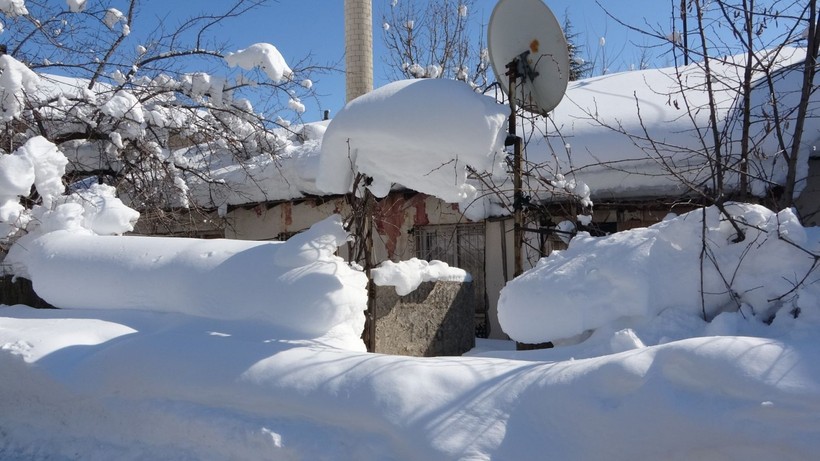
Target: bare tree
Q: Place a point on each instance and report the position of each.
(435, 39)
(747, 84)
(150, 117)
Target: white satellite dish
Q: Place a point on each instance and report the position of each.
(527, 31)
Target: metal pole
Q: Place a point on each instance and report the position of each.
(518, 212)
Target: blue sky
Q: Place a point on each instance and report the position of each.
(299, 28)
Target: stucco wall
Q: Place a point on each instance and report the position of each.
(396, 216)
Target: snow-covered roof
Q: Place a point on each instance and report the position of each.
(290, 174)
(620, 134)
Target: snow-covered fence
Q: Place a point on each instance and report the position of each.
(433, 320)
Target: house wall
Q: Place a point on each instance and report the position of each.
(399, 214)
(395, 218)
(499, 268)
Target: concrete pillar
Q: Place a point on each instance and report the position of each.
(358, 47)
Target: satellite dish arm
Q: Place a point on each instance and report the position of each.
(522, 63)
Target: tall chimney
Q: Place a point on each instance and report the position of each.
(358, 47)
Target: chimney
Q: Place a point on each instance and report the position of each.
(358, 47)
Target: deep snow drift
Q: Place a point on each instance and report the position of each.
(638, 275)
(299, 285)
(112, 383)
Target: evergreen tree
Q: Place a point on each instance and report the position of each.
(578, 67)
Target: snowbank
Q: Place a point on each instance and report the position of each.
(422, 134)
(638, 274)
(210, 350)
(298, 285)
(107, 385)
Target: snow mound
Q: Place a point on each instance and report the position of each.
(298, 285)
(138, 385)
(406, 276)
(640, 273)
(421, 134)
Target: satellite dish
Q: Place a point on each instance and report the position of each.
(527, 31)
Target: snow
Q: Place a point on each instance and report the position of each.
(621, 133)
(407, 275)
(422, 134)
(131, 384)
(77, 6)
(291, 174)
(204, 278)
(296, 105)
(38, 163)
(13, 8)
(49, 167)
(102, 212)
(415, 134)
(631, 276)
(215, 349)
(112, 17)
(124, 105)
(15, 80)
(264, 56)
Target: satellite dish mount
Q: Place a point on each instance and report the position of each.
(526, 44)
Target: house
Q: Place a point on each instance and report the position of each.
(627, 141)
